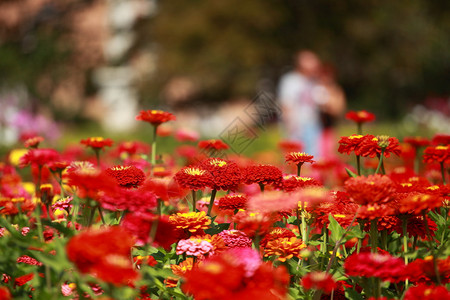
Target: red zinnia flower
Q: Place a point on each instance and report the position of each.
(383, 266)
(299, 158)
(439, 154)
(233, 201)
(423, 270)
(19, 281)
(290, 146)
(372, 146)
(361, 116)
(33, 142)
(108, 260)
(441, 139)
(126, 176)
(97, 143)
(292, 182)
(416, 141)
(262, 174)
(38, 157)
(424, 291)
(194, 178)
(130, 200)
(417, 202)
(369, 190)
(348, 144)
(226, 174)
(155, 117)
(319, 281)
(241, 274)
(254, 223)
(213, 144)
(4, 293)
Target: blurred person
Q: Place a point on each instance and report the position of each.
(333, 104)
(299, 102)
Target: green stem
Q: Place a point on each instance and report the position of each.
(91, 216)
(299, 168)
(359, 128)
(211, 201)
(153, 154)
(261, 187)
(405, 244)
(155, 222)
(101, 214)
(194, 201)
(374, 235)
(443, 173)
(358, 164)
(417, 161)
(380, 162)
(431, 245)
(97, 156)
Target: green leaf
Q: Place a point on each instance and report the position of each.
(353, 295)
(336, 230)
(350, 173)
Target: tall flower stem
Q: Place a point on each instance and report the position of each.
(299, 168)
(359, 128)
(443, 173)
(261, 187)
(380, 163)
(194, 200)
(155, 222)
(405, 243)
(211, 201)
(433, 252)
(358, 164)
(374, 235)
(97, 156)
(417, 161)
(153, 154)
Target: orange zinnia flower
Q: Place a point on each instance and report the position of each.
(284, 248)
(155, 117)
(191, 221)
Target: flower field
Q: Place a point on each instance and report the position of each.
(120, 220)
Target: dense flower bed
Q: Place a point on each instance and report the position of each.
(204, 223)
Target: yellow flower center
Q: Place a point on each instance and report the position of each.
(194, 171)
(97, 139)
(356, 136)
(218, 162)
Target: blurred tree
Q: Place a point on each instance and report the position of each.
(386, 52)
(42, 48)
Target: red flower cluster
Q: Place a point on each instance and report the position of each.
(233, 201)
(292, 182)
(290, 146)
(226, 174)
(424, 291)
(361, 116)
(319, 281)
(213, 144)
(39, 157)
(262, 174)
(416, 141)
(155, 117)
(126, 176)
(194, 178)
(229, 269)
(383, 266)
(108, 260)
(97, 143)
(439, 154)
(371, 189)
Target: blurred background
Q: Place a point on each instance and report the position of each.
(76, 68)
